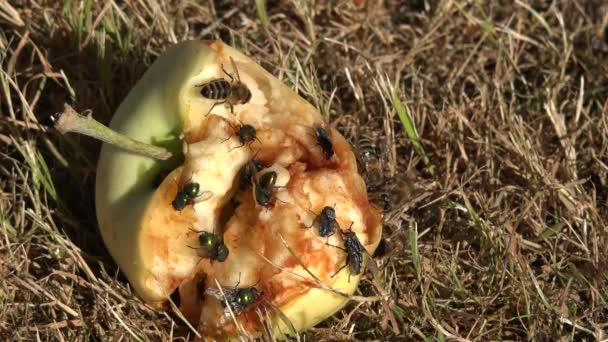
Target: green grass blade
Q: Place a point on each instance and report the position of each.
(6, 225)
(260, 6)
(485, 24)
(410, 130)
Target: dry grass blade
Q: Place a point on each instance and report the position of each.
(504, 102)
(242, 333)
(180, 315)
(318, 281)
(119, 319)
(39, 290)
(536, 15)
(292, 329)
(10, 14)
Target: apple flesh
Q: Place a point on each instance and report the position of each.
(270, 247)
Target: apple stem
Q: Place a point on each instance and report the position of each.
(71, 121)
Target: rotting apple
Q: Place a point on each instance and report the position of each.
(275, 247)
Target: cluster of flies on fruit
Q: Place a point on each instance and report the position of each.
(232, 93)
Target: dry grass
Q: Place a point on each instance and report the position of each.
(496, 195)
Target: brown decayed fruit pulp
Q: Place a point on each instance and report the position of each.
(258, 237)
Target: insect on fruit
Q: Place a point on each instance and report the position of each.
(231, 93)
(354, 252)
(247, 172)
(239, 299)
(262, 196)
(264, 188)
(324, 140)
(246, 134)
(326, 221)
(268, 180)
(191, 189)
(189, 194)
(243, 297)
(212, 246)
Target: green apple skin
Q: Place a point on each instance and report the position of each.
(152, 113)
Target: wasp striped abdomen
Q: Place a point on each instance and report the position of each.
(229, 93)
(367, 150)
(218, 89)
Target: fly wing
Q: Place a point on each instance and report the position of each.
(203, 196)
(335, 226)
(360, 247)
(227, 296)
(202, 252)
(215, 292)
(206, 253)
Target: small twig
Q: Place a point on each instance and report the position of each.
(210, 28)
(124, 325)
(57, 325)
(71, 121)
(35, 288)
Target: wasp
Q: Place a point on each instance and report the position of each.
(368, 158)
(212, 246)
(326, 221)
(324, 140)
(367, 150)
(264, 188)
(231, 93)
(190, 193)
(368, 154)
(354, 252)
